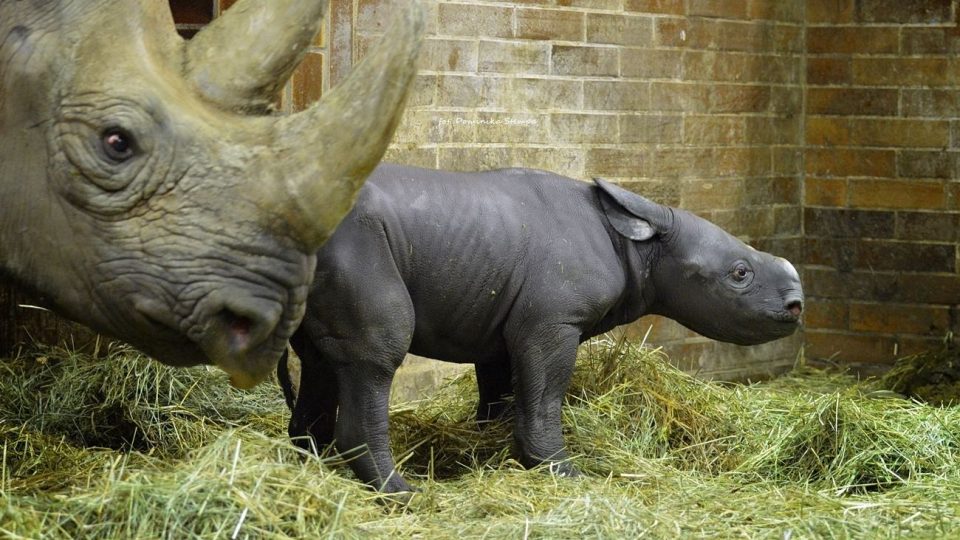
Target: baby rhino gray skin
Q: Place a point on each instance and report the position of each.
(509, 270)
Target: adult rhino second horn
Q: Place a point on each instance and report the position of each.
(344, 134)
(243, 58)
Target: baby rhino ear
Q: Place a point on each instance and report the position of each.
(631, 215)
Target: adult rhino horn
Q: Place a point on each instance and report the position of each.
(325, 153)
(242, 59)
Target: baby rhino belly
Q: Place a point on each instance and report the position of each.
(460, 328)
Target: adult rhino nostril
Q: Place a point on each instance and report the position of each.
(238, 328)
(795, 307)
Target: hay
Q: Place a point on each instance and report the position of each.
(124, 447)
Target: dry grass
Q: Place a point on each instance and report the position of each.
(124, 448)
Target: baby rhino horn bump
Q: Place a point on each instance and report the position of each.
(242, 59)
(329, 150)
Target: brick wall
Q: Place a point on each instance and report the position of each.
(693, 103)
(882, 192)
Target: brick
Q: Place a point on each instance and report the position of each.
(829, 11)
(550, 94)
(929, 226)
(584, 128)
(852, 40)
(728, 98)
(699, 195)
(786, 100)
(474, 159)
(656, 190)
(844, 162)
(308, 81)
(372, 15)
(828, 70)
(787, 161)
(527, 57)
(586, 61)
(778, 130)
(416, 157)
(826, 314)
(840, 254)
(904, 11)
(771, 191)
(828, 131)
(616, 95)
(918, 40)
(931, 103)
(651, 129)
(618, 29)
(847, 223)
(787, 221)
(714, 130)
(901, 72)
(906, 256)
(471, 91)
(565, 161)
(912, 194)
(899, 132)
(853, 101)
(550, 24)
(943, 289)
(736, 9)
(651, 63)
(825, 192)
(926, 164)
(497, 127)
(618, 162)
(423, 93)
(829, 283)
(899, 319)
(789, 39)
(449, 55)
(720, 66)
(666, 7)
(341, 50)
(775, 10)
(475, 20)
(845, 347)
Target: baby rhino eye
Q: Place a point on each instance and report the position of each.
(740, 273)
(118, 144)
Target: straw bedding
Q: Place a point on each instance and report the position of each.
(122, 447)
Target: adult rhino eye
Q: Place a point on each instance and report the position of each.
(118, 145)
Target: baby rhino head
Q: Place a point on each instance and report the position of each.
(704, 277)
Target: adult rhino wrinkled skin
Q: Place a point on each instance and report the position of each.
(145, 194)
(510, 270)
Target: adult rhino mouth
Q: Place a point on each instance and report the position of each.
(237, 330)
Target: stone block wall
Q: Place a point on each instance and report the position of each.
(882, 191)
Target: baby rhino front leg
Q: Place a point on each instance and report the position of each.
(542, 359)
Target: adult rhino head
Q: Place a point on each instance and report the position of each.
(141, 196)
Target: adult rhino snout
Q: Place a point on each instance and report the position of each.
(237, 333)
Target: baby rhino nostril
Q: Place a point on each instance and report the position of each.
(795, 307)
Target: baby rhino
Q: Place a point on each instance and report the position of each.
(509, 270)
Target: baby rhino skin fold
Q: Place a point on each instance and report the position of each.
(144, 193)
